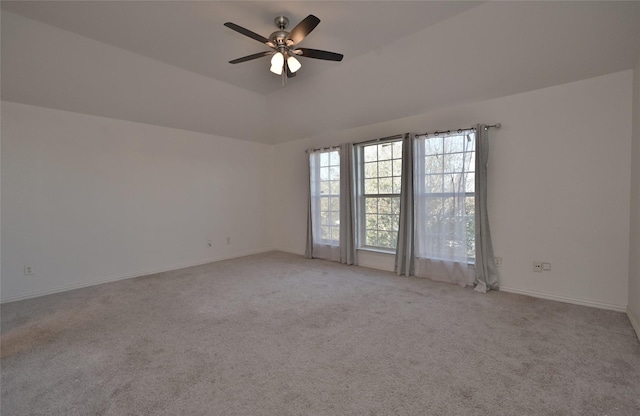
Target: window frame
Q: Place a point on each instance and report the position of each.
(362, 196)
(442, 195)
(318, 239)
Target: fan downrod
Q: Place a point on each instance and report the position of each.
(281, 22)
(277, 38)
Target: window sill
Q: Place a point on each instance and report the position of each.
(377, 250)
(469, 263)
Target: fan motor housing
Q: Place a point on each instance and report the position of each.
(278, 36)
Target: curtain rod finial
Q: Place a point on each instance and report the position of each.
(498, 125)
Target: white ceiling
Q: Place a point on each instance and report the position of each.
(191, 34)
(165, 62)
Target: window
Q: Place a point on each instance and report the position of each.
(325, 197)
(379, 181)
(445, 196)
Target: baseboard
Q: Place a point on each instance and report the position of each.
(115, 278)
(635, 322)
(290, 251)
(566, 299)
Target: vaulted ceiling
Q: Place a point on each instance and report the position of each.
(166, 62)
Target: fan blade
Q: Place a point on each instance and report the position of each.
(247, 32)
(302, 29)
(251, 57)
(318, 54)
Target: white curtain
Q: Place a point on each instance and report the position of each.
(444, 206)
(323, 230)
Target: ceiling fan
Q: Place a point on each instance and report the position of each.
(284, 44)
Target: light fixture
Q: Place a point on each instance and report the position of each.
(293, 63)
(283, 45)
(277, 62)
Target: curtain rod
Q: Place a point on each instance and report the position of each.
(438, 132)
(394, 137)
(321, 148)
(399, 136)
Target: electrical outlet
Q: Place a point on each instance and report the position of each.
(537, 266)
(498, 261)
(28, 270)
(546, 267)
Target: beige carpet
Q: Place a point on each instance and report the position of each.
(275, 334)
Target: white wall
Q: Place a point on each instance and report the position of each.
(634, 253)
(87, 199)
(559, 186)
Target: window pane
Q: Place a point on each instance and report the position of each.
(397, 184)
(371, 170)
(324, 159)
(334, 218)
(324, 204)
(370, 186)
(372, 221)
(324, 174)
(471, 226)
(334, 173)
(334, 205)
(469, 161)
(324, 218)
(385, 185)
(397, 167)
(397, 150)
(432, 208)
(395, 205)
(433, 164)
(371, 205)
(454, 182)
(324, 232)
(471, 183)
(448, 207)
(385, 222)
(335, 233)
(470, 143)
(385, 151)
(371, 238)
(324, 187)
(470, 204)
(385, 206)
(387, 239)
(453, 163)
(385, 168)
(370, 153)
(335, 187)
(433, 183)
(434, 146)
(454, 144)
(334, 158)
